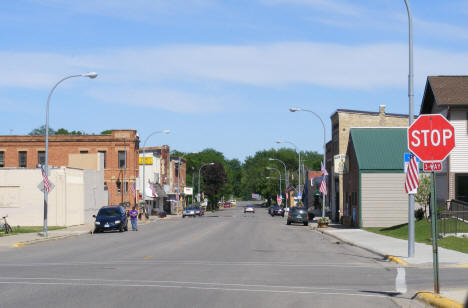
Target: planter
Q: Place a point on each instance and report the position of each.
(322, 225)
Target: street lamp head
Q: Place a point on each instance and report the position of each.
(91, 75)
(278, 141)
(166, 131)
(294, 109)
(270, 159)
(211, 164)
(269, 168)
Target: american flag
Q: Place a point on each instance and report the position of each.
(323, 184)
(412, 175)
(153, 191)
(132, 188)
(45, 179)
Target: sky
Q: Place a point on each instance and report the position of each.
(219, 74)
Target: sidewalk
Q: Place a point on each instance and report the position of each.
(396, 250)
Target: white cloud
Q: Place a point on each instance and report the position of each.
(361, 67)
(339, 7)
(163, 99)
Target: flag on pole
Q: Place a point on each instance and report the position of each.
(153, 191)
(45, 179)
(323, 184)
(412, 176)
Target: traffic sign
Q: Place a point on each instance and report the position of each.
(432, 166)
(41, 186)
(406, 158)
(431, 137)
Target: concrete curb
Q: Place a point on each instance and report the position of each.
(47, 239)
(349, 243)
(437, 300)
(396, 260)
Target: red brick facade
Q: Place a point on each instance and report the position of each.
(61, 146)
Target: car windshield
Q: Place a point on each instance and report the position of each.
(109, 212)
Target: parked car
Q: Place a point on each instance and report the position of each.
(249, 209)
(298, 215)
(276, 211)
(189, 211)
(233, 202)
(111, 218)
(227, 204)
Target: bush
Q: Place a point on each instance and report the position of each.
(419, 214)
(323, 220)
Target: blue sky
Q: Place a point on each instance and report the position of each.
(219, 74)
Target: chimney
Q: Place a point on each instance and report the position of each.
(382, 110)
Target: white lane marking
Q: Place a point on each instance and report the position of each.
(206, 263)
(400, 280)
(188, 287)
(177, 282)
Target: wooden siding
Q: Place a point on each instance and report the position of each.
(384, 202)
(459, 155)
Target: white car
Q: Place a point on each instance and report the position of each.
(190, 211)
(249, 209)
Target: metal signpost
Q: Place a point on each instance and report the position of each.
(431, 138)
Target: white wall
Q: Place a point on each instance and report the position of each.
(71, 202)
(459, 155)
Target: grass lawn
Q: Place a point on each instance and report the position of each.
(31, 229)
(422, 234)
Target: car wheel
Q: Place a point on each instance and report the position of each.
(306, 223)
(288, 222)
(183, 216)
(126, 227)
(96, 230)
(121, 228)
(282, 215)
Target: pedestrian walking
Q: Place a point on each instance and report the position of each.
(133, 218)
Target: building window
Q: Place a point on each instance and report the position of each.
(83, 152)
(105, 186)
(122, 159)
(119, 185)
(22, 159)
(2, 159)
(461, 187)
(104, 154)
(126, 187)
(41, 158)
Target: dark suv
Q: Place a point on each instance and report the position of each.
(299, 215)
(111, 218)
(276, 210)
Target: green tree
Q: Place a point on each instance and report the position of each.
(423, 195)
(106, 132)
(40, 131)
(214, 178)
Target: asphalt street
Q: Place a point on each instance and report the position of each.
(226, 259)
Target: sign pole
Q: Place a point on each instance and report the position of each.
(435, 257)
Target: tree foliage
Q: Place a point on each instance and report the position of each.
(40, 131)
(214, 178)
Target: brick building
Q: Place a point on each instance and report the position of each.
(120, 151)
(342, 120)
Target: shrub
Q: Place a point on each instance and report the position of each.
(419, 214)
(324, 220)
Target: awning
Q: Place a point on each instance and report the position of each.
(160, 193)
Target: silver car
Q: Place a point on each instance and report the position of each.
(190, 211)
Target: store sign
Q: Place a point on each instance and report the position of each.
(188, 190)
(341, 164)
(148, 160)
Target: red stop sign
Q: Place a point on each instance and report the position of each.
(431, 137)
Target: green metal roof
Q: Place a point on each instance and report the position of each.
(380, 148)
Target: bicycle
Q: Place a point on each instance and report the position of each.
(5, 226)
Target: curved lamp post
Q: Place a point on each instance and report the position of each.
(144, 162)
(279, 173)
(299, 152)
(324, 147)
(91, 75)
(285, 171)
(199, 170)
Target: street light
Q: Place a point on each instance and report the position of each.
(294, 109)
(91, 75)
(199, 170)
(166, 131)
(299, 152)
(279, 173)
(285, 172)
(411, 119)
